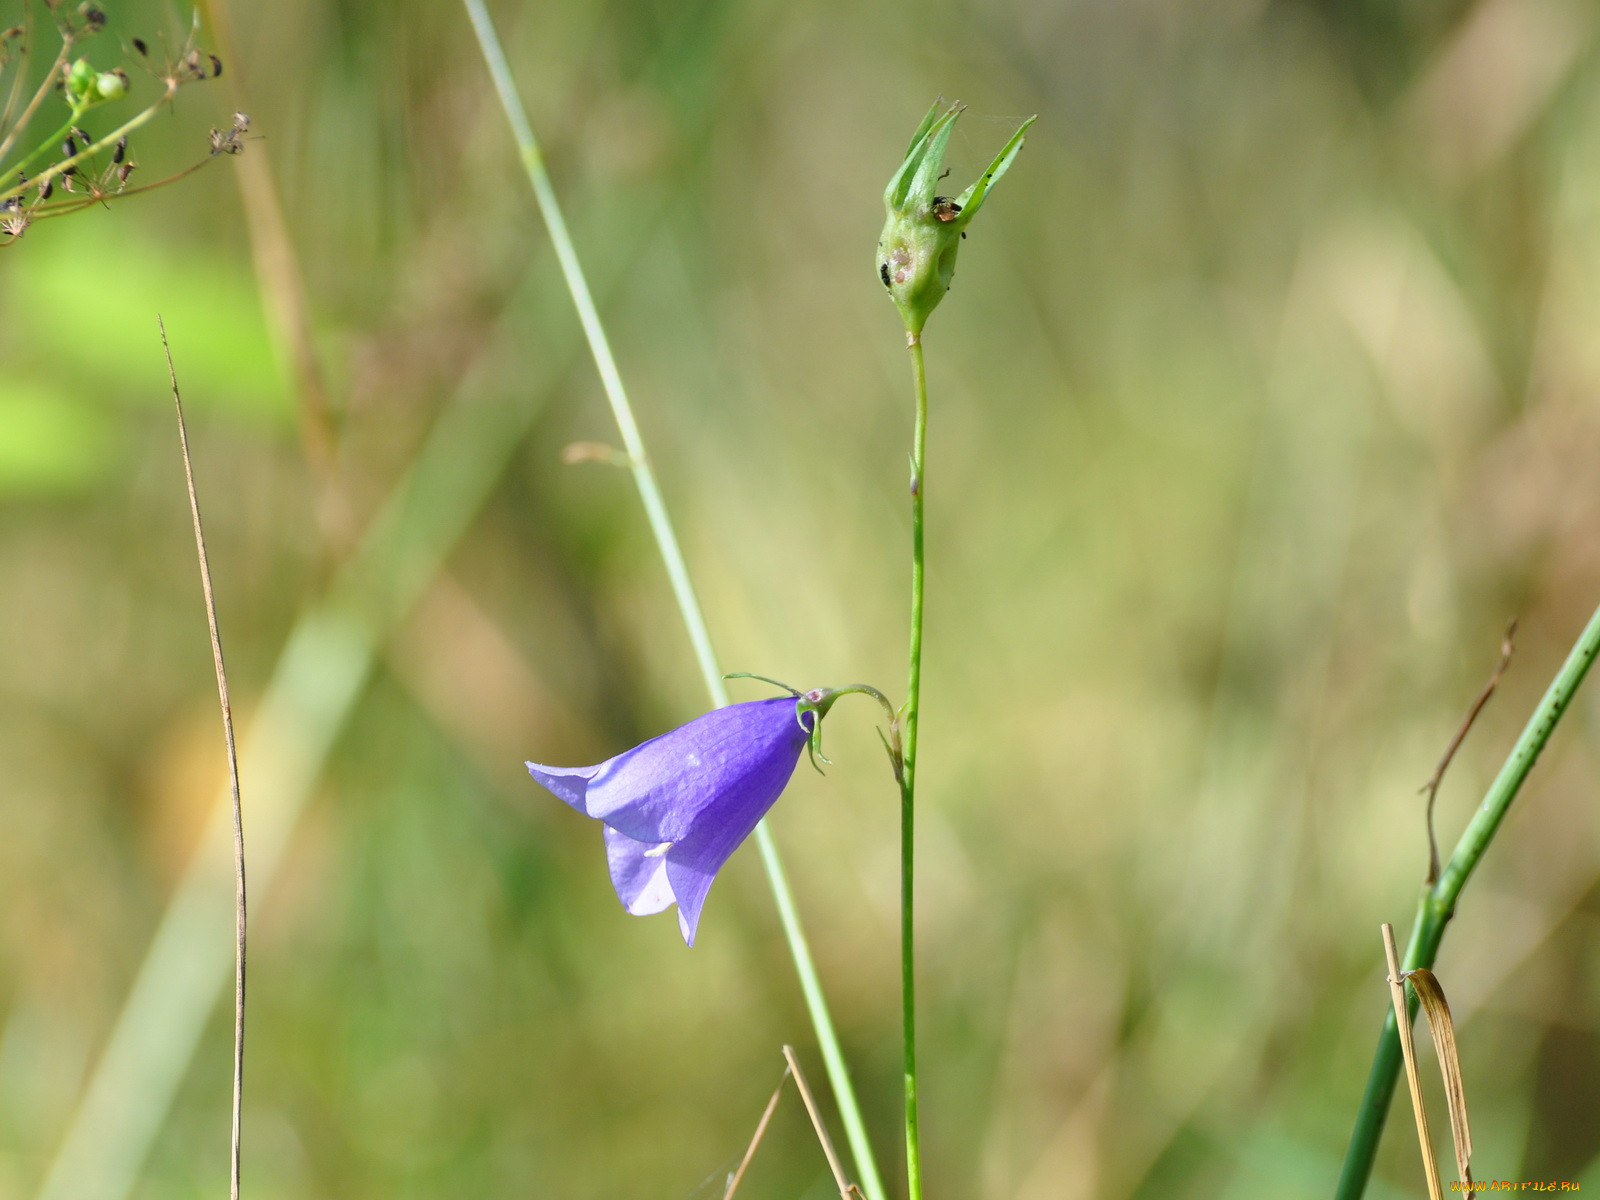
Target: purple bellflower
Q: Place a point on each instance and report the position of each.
(676, 807)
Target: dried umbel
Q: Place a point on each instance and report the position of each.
(72, 168)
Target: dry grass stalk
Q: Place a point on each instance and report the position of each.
(761, 1130)
(233, 777)
(1402, 1016)
(847, 1190)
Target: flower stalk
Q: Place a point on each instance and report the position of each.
(922, 234)
(908, 779)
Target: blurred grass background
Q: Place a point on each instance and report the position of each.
(1267, 393)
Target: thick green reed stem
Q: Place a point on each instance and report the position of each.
(1438, 902)
(908, 781)
(678, 573)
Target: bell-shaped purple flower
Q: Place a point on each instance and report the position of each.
(675, 807)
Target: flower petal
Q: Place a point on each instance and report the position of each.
(565, 783)
(677, 806)
(730, 759)
(639, 873)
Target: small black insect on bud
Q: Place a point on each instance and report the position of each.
(216, 67)
(883, 273)
(945, 208)
(144, 51)
(121, 151)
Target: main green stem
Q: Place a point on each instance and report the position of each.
(678, 573)
(908, 782)
(1437, 903)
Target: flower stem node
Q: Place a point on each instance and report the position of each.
(917, 251)
(675, 808)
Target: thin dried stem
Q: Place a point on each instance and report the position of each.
(1432, 786)
(284, 297)
(847, 1190)
(233, 777)
(45, 88)
(21, 63)
(761, 1131)
(1402, 1014)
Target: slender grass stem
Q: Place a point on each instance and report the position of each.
(678, 574)
(1437, 903)
(908, 780)
(233, 781)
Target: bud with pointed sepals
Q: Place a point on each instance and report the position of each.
(917, 252)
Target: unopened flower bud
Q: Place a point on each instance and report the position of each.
(917, 251)
(111, 85)
(80, 78)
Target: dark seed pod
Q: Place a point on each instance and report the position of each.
(93, 15)
(124, 171)
(45, 188)
(68, 148)
(216, 67)
(144, 51)
(121, 151)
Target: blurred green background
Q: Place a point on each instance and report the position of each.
(1267, 392)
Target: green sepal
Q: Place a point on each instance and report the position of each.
(900, 191)
(972, 199)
